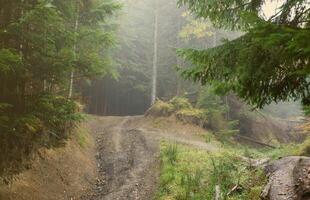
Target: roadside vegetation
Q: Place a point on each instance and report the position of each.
(48, 52)
(189, 173)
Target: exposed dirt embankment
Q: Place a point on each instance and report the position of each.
(56, 174)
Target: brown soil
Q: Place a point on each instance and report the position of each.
(56, 174)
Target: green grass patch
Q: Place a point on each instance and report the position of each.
(82, 137)
(291, 149)
(191, 174)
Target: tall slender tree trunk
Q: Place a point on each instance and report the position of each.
(76, 26)
(155, 55)
(179, 61)
(21, 85)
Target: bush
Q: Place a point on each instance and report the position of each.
(304, 148)
(180, 103)
(307, 110)
(217, 122)
(160, 109)
(61, 117)
(192, 116)
(46, 121)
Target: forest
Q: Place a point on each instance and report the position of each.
(154, 99)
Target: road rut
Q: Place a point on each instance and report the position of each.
(127, 161)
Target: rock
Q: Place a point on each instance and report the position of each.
(302, 178)
(289, 179)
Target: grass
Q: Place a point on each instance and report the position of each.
(82, 137)
(291, 149)
(191, 174)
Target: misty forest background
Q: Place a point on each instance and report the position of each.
(131, 92)
(59, 58)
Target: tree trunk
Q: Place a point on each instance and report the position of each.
(155, 56)
(179, 62)
(76, 26)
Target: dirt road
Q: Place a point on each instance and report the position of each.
(127, 161)
(128, 157)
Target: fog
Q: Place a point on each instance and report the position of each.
(147, 42)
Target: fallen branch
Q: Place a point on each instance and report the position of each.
(217, 192)
(257, 142)
(235, 188)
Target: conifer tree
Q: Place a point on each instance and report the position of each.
(41, 43)
(270, 62)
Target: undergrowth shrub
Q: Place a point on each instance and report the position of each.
(160, 109)
(307, 110)
(180, 103)
(46, 121)
(193, 116)
(217, 121)
(304, 148)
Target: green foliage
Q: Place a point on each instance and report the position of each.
(41, 42)
(270, 62)
(82, 136)
(195, 28)
(307, 110)
(291, 149)
(193, 116)
(217, 122)
(9, 62)
(46, 122)
(216, 109)
(245, 14)
(192, 113)
(62, 113)
(208, 99)
(195, 173)
(304, 148)
(160, 108)
(180, 103)
(171, 153)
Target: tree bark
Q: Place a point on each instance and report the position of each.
(179, 62)
(76, 26)
(155, 55)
